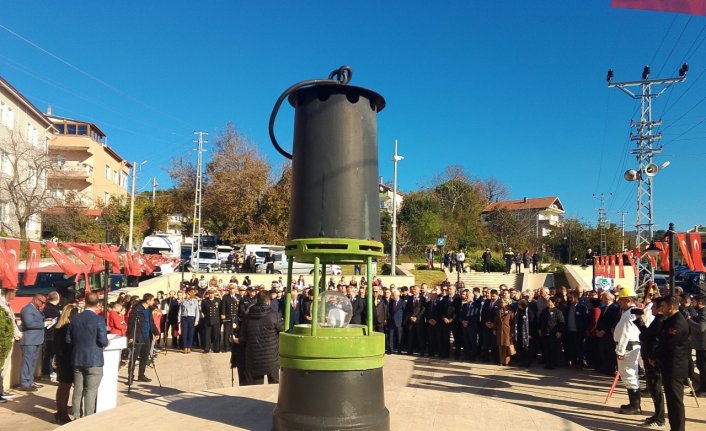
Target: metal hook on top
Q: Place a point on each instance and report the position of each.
(343, 74)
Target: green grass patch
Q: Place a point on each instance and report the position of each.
(430, 277)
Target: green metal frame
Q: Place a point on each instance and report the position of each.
(311, 347)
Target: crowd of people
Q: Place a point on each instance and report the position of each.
(606, 331)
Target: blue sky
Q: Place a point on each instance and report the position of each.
(507, 89)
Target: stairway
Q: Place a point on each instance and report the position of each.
(491, 280)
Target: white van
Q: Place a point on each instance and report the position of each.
(281, 266)
(260, 251)
(223, 252)
(162, 243)
(204, 260)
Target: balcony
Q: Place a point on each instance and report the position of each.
(71, 171)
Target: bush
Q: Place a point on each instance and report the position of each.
(496, 265)
(421, 266)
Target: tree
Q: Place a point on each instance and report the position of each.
(23, 184)
(493, 189)
(271, 221)
(69, 222)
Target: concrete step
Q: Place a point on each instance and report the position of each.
(492, 280)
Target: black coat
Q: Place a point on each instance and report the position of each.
(229, 307)
(358, 309)
(259, 333)
(551, 321)
(610, 316)
(649, 336)
(416, 309)
(136, 322)
(673, 348)
(211, 311)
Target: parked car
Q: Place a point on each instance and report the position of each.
(281, 263)
(204, 260)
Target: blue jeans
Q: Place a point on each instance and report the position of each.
(187, 331)
(86, 381)
(30, 355)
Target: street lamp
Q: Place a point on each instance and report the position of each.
(395, 158)
(135, 165)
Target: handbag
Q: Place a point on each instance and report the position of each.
(511, 349)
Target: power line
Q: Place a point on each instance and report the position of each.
(90, 76)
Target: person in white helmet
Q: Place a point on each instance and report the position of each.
(627, 339)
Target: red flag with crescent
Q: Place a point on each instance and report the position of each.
(621, 265)
(8, 263)
(691, 7)
(12, 256)
(34, 253)
(94, 264)
(631, 260)
(663, 254)
(684, 247)
(695, 242)
(64, 262)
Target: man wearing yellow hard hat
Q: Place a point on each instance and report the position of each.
(627, 339)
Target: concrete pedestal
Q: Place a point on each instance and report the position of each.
(108, 389)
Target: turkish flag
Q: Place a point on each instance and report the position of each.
(82, 255)
(695, 242)
(663, 254)
(8, 265)
(691, 7)
(64, 262)
(632, 262)
(684, 247)
(34, 252)
(621, 266)
(612, 266)
(12, 260)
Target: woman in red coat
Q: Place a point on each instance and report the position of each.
(116, 320)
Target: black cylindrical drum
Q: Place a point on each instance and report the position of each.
(335, 163)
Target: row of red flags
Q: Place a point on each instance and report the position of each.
(689, 244)
(91, 259)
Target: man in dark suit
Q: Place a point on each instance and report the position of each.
(210, 309)
(489, 349)
(141, 330)
(88, 336)
(671, 355)
(357, 305)
(470, 321)
(380, 311)
(295, 309)
(229, 314)
(394, 322)
(433, 322)
(33, 325)
(416, 326)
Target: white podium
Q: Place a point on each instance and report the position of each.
(108, 389)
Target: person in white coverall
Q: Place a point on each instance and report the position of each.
(627, 339)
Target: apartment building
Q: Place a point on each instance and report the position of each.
(84, 168)
(24, 135)
(540, 215)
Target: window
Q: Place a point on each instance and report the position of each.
(59, 192)
(61, 128)
(107, 171)
(32, 134)
(5, 212)
(82, 129)
(5, 163)
(123, 180)
(32, 177)
(115, 176)
(106, 198)
(7, 116)
(33, 223)
(70, 129)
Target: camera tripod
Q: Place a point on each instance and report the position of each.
(131, 362)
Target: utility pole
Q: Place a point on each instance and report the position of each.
(602, 222)
(154, 189)
(645, 138)
(196, 230)
(622, 228)
(135, 166)
(395, 158)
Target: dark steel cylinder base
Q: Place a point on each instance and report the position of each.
(331, 400)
